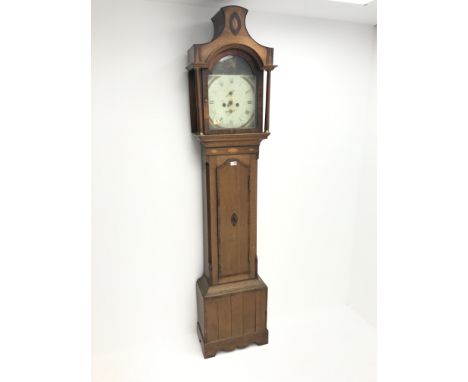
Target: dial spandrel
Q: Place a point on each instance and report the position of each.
(232, 95)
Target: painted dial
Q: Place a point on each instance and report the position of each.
(231, 100)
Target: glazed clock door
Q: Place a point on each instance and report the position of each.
(234, 90)
(235, 217)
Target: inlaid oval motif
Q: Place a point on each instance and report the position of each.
(235, 23)
(234, 219)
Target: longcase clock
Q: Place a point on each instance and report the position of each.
(229, 107)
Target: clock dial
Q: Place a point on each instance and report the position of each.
(231, 100)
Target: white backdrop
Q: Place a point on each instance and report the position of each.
(316, 191)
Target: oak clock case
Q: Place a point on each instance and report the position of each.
(227, 94)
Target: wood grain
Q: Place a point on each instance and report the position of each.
(260, 309)
(211, 317)
(237, 315)
(224, 317)
(249, 312)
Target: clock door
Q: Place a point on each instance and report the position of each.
(233, 94)
(235, 214)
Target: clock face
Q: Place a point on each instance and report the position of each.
(232, 94)
(231, 101)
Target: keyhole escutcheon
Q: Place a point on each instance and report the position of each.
(234, 219)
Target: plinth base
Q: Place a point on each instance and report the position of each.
(211, 348)
(231, 315)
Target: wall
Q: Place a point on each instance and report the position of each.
(363, 275)
(316, 202)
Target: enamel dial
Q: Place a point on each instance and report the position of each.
(231, 101)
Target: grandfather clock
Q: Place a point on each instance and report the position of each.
(227, 94)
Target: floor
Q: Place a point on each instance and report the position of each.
(332, 344)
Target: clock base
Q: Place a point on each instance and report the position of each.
(211, 348)
(231, 315)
